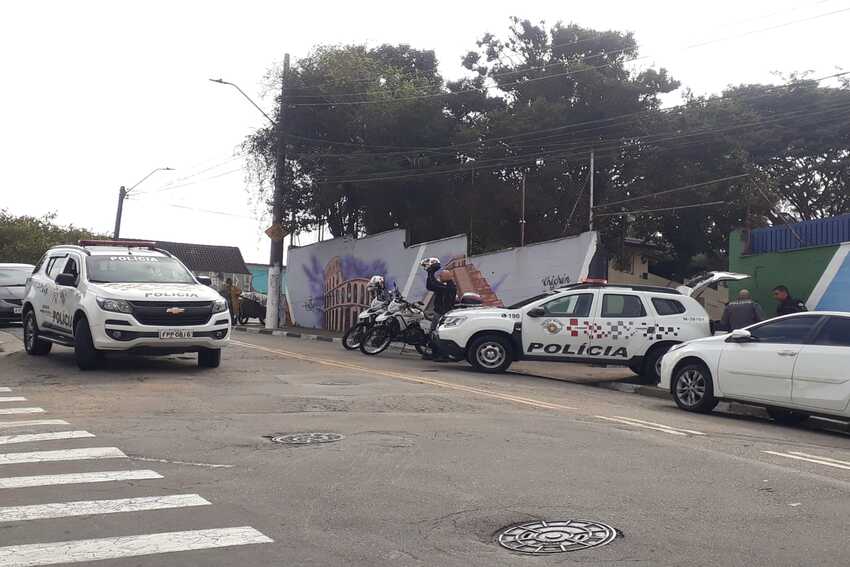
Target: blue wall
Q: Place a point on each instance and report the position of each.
(261, 278)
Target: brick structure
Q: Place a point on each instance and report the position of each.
(468, 278)
(344, 299)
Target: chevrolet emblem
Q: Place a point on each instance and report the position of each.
(175, 310)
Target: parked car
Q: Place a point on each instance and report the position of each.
(125, 296)
(13, 281)
(627, 325)
(796, 365)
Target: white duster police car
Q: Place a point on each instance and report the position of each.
(628, 325)
(125, 296)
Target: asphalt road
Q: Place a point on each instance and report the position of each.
(435, 460)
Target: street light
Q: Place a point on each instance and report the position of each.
(249, 99)
(122, 194)
(276, 248)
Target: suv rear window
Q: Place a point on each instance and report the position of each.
(667, 306)
(621, 305)
(136, 269)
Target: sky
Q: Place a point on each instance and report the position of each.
(95, 95)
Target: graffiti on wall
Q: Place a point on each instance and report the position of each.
(327, 280)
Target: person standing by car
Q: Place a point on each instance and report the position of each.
(787, 304)
(741, 313)
(231, 293)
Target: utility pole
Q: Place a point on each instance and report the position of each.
(276, 253)
(522, 219)
(590, 207)
(122, 193)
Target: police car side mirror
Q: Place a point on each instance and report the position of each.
(740, 336)
(204, 280)
(536, 312)
(66, 280)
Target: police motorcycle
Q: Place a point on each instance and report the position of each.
(366, 319)
(401, 322)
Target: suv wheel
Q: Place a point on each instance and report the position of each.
(490, 353)
(209, 358)
(693, 389)
(87, 355)
(32, 344)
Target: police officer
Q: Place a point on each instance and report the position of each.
(442, 285)
(787, 304)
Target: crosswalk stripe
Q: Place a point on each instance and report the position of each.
(31, 555)
(10, 411)
(52, 436)
(12, 399)
(76, 478)
(5, 389)
(96, 507)
(28, 422)
(62, 455)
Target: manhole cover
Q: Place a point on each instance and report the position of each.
(306, 438)
(556, 536)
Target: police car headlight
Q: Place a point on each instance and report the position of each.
(116, 305)
(219, 306)
(449, 322)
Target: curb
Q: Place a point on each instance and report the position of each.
(290, 334)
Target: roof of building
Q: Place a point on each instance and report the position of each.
(207, 257)
(818, 232)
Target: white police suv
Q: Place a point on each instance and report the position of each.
(107, 296)
(628, 325)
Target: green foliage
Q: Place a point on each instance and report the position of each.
(376, 139)
(24, 239)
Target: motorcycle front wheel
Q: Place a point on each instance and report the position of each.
(353, 337)
(376, 340)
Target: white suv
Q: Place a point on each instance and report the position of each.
(628, 325)
(121, 296)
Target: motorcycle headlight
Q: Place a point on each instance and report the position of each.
(219, 306)
(115, 305)
(453, 321)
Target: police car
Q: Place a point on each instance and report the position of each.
(108, 296)
(628, 325)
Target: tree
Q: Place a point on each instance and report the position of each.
(24, 239)
(376, 139)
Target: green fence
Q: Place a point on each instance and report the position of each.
(799, 270)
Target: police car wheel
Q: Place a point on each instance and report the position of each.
(32, 344)
(651, 373)
(693, 389)
(490, 353)
(209, 358)
(84, 350)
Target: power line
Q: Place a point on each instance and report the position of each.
(457, 147)
(648, 211)
(676, 190)
(519, 159)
